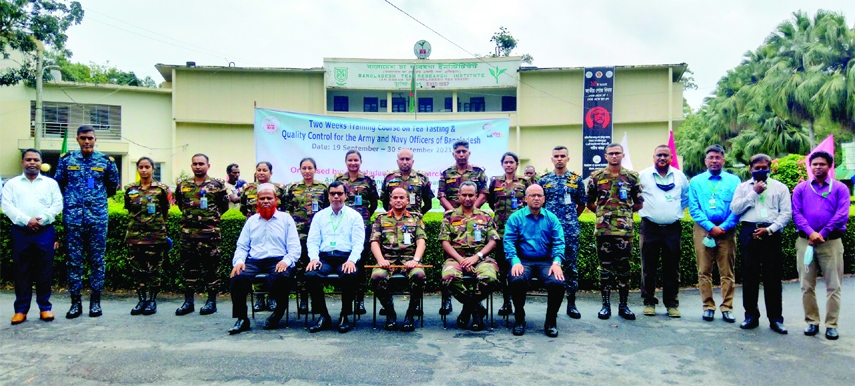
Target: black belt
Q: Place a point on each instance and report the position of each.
(334, 254)
(757, 225)
(644, 219)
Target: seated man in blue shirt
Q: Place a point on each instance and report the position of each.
(268, 243)
(534, 244)
(335, 244)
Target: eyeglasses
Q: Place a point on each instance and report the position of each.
(336, 193)
(614, 154)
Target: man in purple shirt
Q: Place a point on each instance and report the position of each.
(820, 211)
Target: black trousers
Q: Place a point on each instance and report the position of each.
(660, 242)
(331, 263)
(32, 254)
(761, 260)
(520, 284)
(278, 282)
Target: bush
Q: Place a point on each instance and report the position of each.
(118, 276)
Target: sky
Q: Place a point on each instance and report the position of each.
(710, 36)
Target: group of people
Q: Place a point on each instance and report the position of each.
(301, 234)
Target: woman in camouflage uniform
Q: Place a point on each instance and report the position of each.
(147, 203)
(248, 198)
(304, 199)
(505, 196)
(362, 197)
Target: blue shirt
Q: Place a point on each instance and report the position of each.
(262, 239)
(343, 232)
(705, 187)
(535, 238)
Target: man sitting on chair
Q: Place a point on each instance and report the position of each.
(398, 237)
(534, 244)
(468, 235)
(335, 243)
(268, 244)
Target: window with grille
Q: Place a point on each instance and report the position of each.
(340, 103)
(425, 105)
(57, 117)
(399, 105)
(477, 104)
(369, 105)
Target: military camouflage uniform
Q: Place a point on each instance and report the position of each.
(249, 196)
(615, 196)
(563, 193)
(451, 179)
(417, 185)
(299, 198)
(459, 230)
(200, 230)
(146, 236)
(397, 239)
(505, 198)
(86, 183)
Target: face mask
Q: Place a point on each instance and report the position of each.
(709, 242)
(760, 175)
(665, 188)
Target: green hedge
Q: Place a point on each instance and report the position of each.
(118, 275)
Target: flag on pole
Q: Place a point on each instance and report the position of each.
(827, 146)
(674, 162)
(64, 148)
(626, 162)
(413, 91)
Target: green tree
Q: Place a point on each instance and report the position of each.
(24, 22)
(96, 73)
(505, 44)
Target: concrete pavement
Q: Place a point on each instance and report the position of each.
(166, 349)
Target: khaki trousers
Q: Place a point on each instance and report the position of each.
(724, 256)
(828, 257)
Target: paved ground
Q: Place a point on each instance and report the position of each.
(165, 349)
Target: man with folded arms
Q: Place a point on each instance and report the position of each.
(335, 244)
(268, 244)
(534, 244)
(32, 202)
(398, 237)
(764, 209)
(820, 211)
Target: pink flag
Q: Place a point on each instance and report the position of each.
(827, 146)
(674, 162)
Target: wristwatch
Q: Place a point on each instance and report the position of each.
(480, 255)
(417, 260)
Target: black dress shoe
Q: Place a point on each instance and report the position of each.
(573, 312)
(708, 315)
(344, 324)
(324, 323)
(727, 316)
(360, 308)
(507, 309)
(260, 304)
(550, 330)
(391, 322)
(382, 311)
(409, 325)
(302, 307)
(751, 322)
(519, 328)
(812, 329)
(831, 333)
(240, 326)
(778, 327)
(272, 322)
(446, 308)
(271, 304)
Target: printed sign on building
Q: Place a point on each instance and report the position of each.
(598, 95)
(430, 74)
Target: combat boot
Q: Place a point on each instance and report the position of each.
(623, 309)
(151, 304)
(76, 307)
(572, 311)
(210, 306)
(388, 305)
(138, 309)
(303, 304)
(445, 308)
(360, 301)
(188, 305)
(606, 311)
(95, 304)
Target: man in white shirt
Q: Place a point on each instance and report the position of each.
(764, 209)
(666, 195)
(268, 244)
(335, 244)
(32, 202)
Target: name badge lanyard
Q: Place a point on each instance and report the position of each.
(334, 225)
(824, 194)
(713, 189)
(763, 212)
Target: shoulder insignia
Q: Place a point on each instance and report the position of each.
(111, 159)
(130, 186)
(63, 155)
(338, 175)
